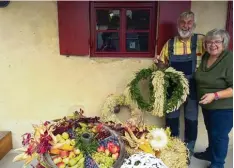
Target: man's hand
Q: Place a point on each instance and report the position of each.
(207, 98)
(156, 59)
(159, 63)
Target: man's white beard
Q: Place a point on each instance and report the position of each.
(185, 34)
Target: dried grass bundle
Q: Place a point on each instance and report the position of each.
(175, 156)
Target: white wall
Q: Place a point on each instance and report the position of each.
(210, 15)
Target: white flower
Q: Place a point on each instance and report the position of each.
(159, 139)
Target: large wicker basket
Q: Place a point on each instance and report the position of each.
(50, 164)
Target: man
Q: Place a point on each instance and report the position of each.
(183, 53)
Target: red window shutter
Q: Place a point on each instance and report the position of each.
(229, 23)
(73, 23)
(169, 11)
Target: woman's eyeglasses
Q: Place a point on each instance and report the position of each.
(217, 42)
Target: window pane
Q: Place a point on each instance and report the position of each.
(137, 42)
(138, 19)
(107, 41)
(107, 19)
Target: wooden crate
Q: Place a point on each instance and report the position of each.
(5, 143)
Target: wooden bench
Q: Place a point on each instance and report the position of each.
(5, 143)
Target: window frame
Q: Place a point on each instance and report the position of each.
(123, 6)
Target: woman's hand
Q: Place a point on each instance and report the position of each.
(207, 98)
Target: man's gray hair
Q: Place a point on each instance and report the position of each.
(218, 32)
(187, 14)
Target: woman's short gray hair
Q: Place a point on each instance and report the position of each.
(187, 14)
(218, 32)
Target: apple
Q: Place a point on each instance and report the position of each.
(65, 135)
(71, 155)
(73, 161)
(66, 160)
(101, 149)
(107, 152)
(83, 125)
(90, 125)
(110, 144)
(68, 141)
(77, 151)
(58, 137)
(73, 142)
(63, 154)
(61, 165)
(114, 149)
(57, 159)
(62, 140)
(115, 156)
(94, 129)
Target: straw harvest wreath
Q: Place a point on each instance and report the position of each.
(112, 106)
(160, 101)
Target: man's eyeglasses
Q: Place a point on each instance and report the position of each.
(217, 42)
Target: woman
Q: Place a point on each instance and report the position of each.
(214, 79)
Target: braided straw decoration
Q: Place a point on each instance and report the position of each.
(158, 82)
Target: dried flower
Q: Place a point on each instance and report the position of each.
(26, 139)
